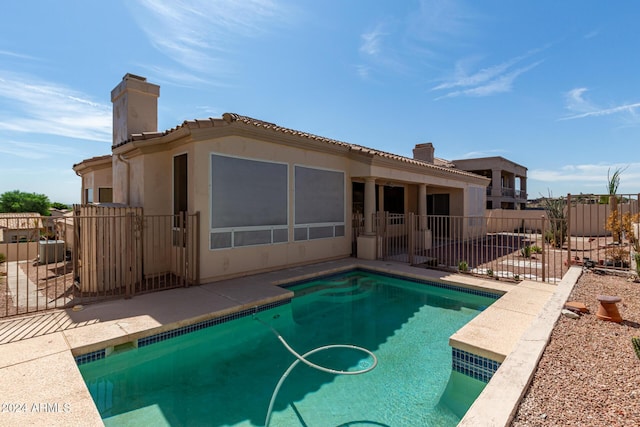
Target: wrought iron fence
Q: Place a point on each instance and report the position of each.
(603, 231)
(96, 253)
(539, 248)
(599, 232)
(496, 248)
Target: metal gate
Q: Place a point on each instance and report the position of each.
(122, 252)
(97, 252)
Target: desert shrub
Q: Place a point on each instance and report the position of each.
(556, 213)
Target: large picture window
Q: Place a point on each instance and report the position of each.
(319, 203)
(249, 202)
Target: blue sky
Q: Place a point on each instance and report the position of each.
(550, 85)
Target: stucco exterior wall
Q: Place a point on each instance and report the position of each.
(19, 251)
(507, 220)
(120, 171)
(456, 202)
(586, 219)
(217, 264)
(157, 183)
(94, 178)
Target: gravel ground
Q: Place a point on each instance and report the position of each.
(589, 374)
(53, 280)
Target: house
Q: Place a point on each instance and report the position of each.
(268, 196)
(97, 178)
(508, 188)
(20, 227)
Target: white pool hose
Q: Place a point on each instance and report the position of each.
(312, 365)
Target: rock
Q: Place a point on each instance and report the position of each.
(570, 314)
(576, 306)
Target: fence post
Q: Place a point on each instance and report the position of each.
(569, 257)
(196, 253)
(128, 249)
(183, 250)
(411, 227)
(544, 249)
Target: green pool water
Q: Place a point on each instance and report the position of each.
(225, 375)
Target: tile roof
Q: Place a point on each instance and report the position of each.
(231, 118)
(20, 221)
(99, 159)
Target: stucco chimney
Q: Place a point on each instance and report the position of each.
(135, 107)
(424, 152)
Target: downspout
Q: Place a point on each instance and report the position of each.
(126, 162)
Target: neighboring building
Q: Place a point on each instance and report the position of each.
(20, 227)
(508, 188)
(97, 179)
(268, 197)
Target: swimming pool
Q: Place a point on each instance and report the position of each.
(225, 375)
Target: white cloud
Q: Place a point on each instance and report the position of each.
(199, 34)
(371, 42)
(15, 55)
(487, 81)
(48, 108)
(591, 176)
(378, 55)
(441, 21)
(35, 150)
(499, 84)
(484, 153)
(582, 108)
(575, 101)
(177, 77)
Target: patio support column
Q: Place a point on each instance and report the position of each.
(422, 205)
(367, 247)
(496, 184)
(369, 204)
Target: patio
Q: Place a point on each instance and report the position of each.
(32, 345)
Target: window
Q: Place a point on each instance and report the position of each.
(394, 200)
(249, 202)
(180, 184)
(180, 204)
(319, 203)
(105, 195)
(88, 195)
(357, 197)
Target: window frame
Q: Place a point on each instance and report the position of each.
(305, 231)
(235, 232)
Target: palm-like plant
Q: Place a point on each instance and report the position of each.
(613, 181)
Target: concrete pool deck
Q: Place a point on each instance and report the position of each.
(41, 384)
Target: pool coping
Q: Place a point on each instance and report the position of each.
(91, 329)
(499, 401)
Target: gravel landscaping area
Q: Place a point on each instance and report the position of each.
(589, 374)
